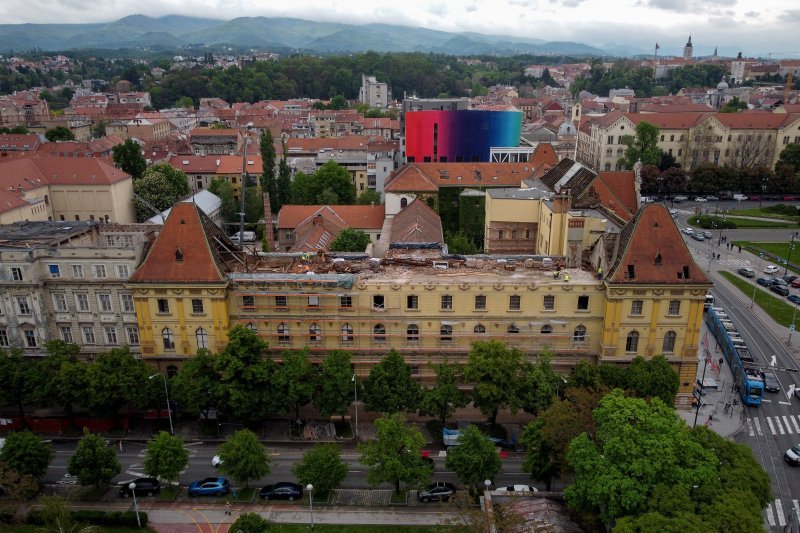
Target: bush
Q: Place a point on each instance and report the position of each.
(96, 518)
(712, 222)
(783, 209)
(7, 516)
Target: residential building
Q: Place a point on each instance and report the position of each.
(374, 93)
(313, 227)
(216, 141)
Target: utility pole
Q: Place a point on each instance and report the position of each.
(789, 255)
(241, 193)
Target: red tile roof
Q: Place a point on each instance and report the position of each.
(60, 170)
(214, 132)
(11, 141)
(422, 177)
(618, 192)
(184, 233)
(354, 216)
(417, 223)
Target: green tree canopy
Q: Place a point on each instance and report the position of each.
(642, 147)
(268, 182)
(334, 386)
(197, 386)
(93, 462)
(250, 523)
(128, 157)
(496, 370)
(734, 106)
(115, 379)
(18, 378)
(790, 156)
(18, 486)
(294, 382)
(330, 184)
(369, 197)
(284, 180)
(444, 397)
(165, 456)
(244, 457)
(460, 243)
(350, 240)
(389, 388)
(222, 188)
(59, 133)
(653, 378)
(540, 384)
(394, 454)
(161, 186)
(321, 466)
(60, 377)
(27, 454)
(475, 459)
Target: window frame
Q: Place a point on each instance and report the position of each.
(632, 342)
(637, 307)
(514, 302)
(480, 302)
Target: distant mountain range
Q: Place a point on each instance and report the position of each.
(139, 31)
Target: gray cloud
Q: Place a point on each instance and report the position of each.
(688, 6)
(752, 14)
(437, 8)
(471, 8)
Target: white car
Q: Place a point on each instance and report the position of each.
(681, 198)
(216, 461)
(519, 489)
(700, 199)
(688, 231)
(771, 269)
(673, 213)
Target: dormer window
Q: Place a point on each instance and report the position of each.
(631, 272)
(685, 272)
(178, 255)
(658, 259)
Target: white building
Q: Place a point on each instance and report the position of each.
(208, 202)
(374, 93)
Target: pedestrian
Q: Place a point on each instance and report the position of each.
(740, 249)
(228, 508)
(710, 420)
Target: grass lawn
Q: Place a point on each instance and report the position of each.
(777, 249)
(755, 212)
(779, 309)
(169, 493)
(245, 495)
(750, 223)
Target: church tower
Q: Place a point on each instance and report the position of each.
(687, 50)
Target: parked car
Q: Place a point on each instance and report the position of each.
(712, 198)
(766, 282)
(795, 283)
(680, 198)
(747, 272)
(673, 213)
(216, 461)
(739, 197)
(145, 486)
(779, 289)
(697, 236)
(688, 231)
(439, 491)
(210, 486)
(282, 491)
(707, 234)
(771, 382)
(700, 199)
(792, 455)
(789, 278)
(795, 299)
(771, 269)
(519, 489)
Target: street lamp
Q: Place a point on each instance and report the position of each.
(789, 255)
(169, 407)
(132, 486)
(310, 488)
(791, 328)
(355, 393)
(488, 483)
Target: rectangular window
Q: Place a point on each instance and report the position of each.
(610, 139)
(82, 300)
(501, 234)
(30, 338)
(16, 273)
(549, 302)
(197, 306)
(105, 302)
(99, 271)
(377, 301)
(3, 337)
(55, 271)
(77, 271)
(412, 301)
(583, 302)
(22, 303)
(514, 302)
(636, 307)
(122, 271)
(163, 305)
(313, 301)
(133, 335)
(674, 308)
(127, 241)
(111, 335)
(66, 334)
(109, 240)
(59, 301)
(345, 302)
(281, 302)
(127, 303)
(447, 302)
(480, 302)
(88, 334)
(248, 301)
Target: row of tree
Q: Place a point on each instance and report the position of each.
(630, 74)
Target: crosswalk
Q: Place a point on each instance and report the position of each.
(775, 513)
(776, 425)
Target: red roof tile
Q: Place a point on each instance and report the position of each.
(354, 216)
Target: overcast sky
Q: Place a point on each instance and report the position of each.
(733, 25)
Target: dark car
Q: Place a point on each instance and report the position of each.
(282, 491)
(766, 282)
(747, 272)
(210, 486)
(778, 289)
(795, 299)
(437, 492)
(145, 486)
(771, 382)
(778, 281)
(789, 278)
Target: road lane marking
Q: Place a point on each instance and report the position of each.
(786, 423)
(771, 426)
(796, 506)
(780, 426)
(750, 430)
(757, 422)
(785, 403)
(779, 512)
(770, 516)
(794, 422)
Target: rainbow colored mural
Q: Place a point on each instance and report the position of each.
(456, 136)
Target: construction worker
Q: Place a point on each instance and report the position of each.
(555, 274)
(599, 272)
(566, 277)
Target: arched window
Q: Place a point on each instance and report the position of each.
(347, 333)
(513, 329)
(379, 333)
(669, 342)
(632, 342)
(412, 333)
(479, 329)
(547, 329)
(314, 332)
(446, 332)
(403, 202)
(168, 338)
(202, 338)
(579, 335)
(283, 332)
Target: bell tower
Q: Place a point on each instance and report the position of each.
(687, 50)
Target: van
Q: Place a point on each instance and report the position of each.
(249, 236)
(739, 197)
(709, 300)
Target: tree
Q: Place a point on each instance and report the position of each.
(350, 240)
(268, 183)
(27, 454)
(161, 186)
(294, 382)
(244, 457)
(642, 147)
(250, 523)
(495, 370)
(733, 106)
(116, 379)
(165, 457)
(197, 386)
(653, 378)
(246, 376)
(59, 133)
(18, 486)
(99, 129)
(334, 387)
(185, 102)
(93, 462)
(60, 379)
(539, 384)
(389, 388)
(128, 157)
(444, 397)
(790, 156)
(459, 243)
(323, 466)
(17, 379)
(394, 454)
(330, 184)
(284, 180)
(222, 188)
(369, 197)
(475, 459)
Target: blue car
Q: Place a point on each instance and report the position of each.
(795, 299)
(210, 486)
